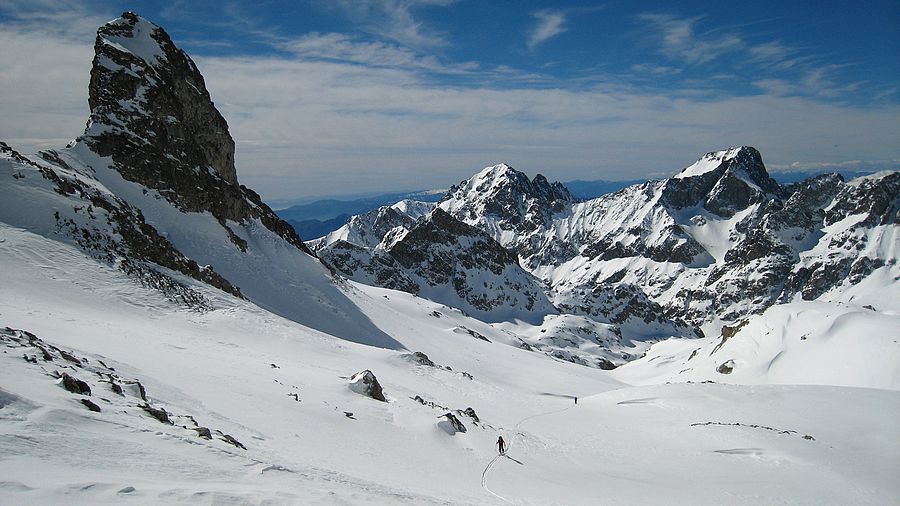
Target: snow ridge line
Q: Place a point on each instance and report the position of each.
(490, 465)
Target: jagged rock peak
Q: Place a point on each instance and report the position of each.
(501, 176)
(147, 93)
(723, 181)
(744, 158)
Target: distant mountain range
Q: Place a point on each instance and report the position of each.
(318, 218)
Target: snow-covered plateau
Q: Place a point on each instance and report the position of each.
(167, 339)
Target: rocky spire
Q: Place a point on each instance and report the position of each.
(144, 90)
(151, 113)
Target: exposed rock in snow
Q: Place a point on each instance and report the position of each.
(420, 358)
(75, 385)
(451, 424)
(90, 405)
(365, 383)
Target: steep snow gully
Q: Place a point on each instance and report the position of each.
(516, 436)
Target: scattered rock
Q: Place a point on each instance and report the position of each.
(68, 356)
(232, 441)
(365, 383)
(349, 415)
(158, 413)
(430, 404)
(726, 368)
(471, 414)
(90, 405)
(126, 490)
(75, 385)
(294, 396)
(274, 366)
(117, 388)
(203, 432)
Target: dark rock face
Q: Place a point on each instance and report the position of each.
(151, 112)
(358, 263)
(422, 244)
(177, 110)
(440, 251)
(739, 181)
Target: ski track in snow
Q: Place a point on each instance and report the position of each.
(516, 435)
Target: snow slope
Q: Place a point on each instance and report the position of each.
(281, 390)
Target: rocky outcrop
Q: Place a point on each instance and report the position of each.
(451, 424)
(151, 113)
(365, 383)
(75, 385)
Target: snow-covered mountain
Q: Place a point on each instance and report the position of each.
(718, 241)
(714, 244)
(439, 258)
(166, 339)
(151, 187)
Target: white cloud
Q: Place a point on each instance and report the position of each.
(392, 19)
(342, 47)
(679, 40)
(342, 116)
(550, 24)
(329, 128)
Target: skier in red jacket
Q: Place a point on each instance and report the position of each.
(501, 444)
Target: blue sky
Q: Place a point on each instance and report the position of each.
(339, 97)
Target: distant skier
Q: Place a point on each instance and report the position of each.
(501, 444)
(576, 399)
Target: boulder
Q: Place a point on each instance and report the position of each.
(158, 413)
(421, 359)
(365, 383)
(451, 424)
(75, 385)
(726, 367)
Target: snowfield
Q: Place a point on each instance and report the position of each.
(281, 390)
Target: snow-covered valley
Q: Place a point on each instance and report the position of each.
(281, 390)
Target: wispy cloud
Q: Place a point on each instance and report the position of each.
(654, 70)
(679, 40)
(345, 48)
(393, 19)
(812, 81)
(550, 23)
